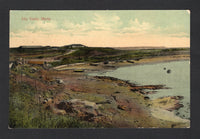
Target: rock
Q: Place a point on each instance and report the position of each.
(150, 87)
(94, 64)
(84, 109)
(150, 92)
(122, 107)
(137, 59)
(149, 105)
(117, 92)
(106, 62)
(146, 98)
(176, 107)
(104, 102)
(83, 102)
(177, 97)
(121, 84)
(59, 81)
(67, 106)
(164, 68)
(33, 70)
(11, 65)
(44, 102)
(168, 71)
(177, 113)
(47, 100)
(130, 61)
(114, 97)
(169, 103)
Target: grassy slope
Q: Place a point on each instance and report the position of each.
(25, 111)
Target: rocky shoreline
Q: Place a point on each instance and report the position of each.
(173, 102)
(114, 102)
(126, 99)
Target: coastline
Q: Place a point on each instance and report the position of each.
(114, 65)
(155, 112)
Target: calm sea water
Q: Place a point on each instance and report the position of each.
(178, 80)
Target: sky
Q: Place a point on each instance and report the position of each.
(100, 28)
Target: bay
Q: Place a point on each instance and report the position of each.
(174, 74)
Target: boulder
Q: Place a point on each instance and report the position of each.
(169, 103)
(65, 106)
(85, 103)
(84, 109)
(122, 107)
(130, 61)
(59, 81)
(117, 92)
(33, 70)
(146, 98)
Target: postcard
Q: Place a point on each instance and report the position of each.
(99, 69)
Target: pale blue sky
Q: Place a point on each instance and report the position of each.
(170, 28)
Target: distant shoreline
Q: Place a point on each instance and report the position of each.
(100, 66)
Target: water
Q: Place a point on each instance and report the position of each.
(178, 80)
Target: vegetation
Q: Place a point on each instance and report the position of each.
(36, 53)
(25, 111)
(90, 55)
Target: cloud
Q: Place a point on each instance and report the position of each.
(106, 22)
(42, 25)
(99, 23)
(71, 27)
(102, 30)
(135, 27)
(173, 30)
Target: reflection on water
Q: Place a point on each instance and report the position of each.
(175, 74)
